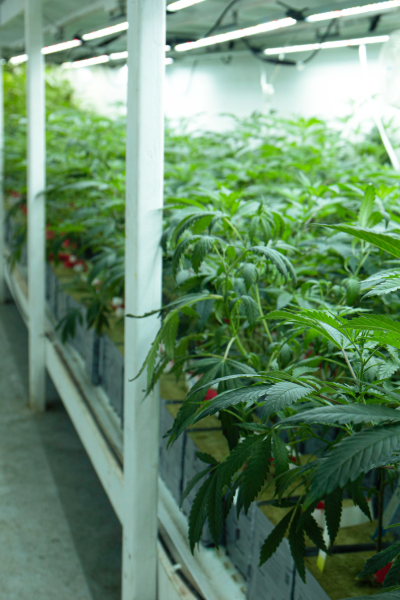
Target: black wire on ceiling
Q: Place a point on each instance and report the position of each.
(276, 61)
(221, 18)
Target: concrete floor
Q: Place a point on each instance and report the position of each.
(59, 536)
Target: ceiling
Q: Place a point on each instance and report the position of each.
(66, 19)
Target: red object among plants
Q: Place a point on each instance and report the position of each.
(211, 394)
(381, 574)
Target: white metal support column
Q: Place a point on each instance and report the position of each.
(144, 183)
(2, 211)
(36, 202)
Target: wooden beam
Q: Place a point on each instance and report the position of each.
(144, 199)
(36, 181)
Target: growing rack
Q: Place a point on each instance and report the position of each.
(126, 461)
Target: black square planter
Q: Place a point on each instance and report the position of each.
(111, 373)
(171, 459)
(275, 579)
(310, 590)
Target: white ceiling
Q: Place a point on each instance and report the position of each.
(64, 19)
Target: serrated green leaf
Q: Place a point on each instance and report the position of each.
(314, 532)
(198, 513)
(353, 456)
(326, 324)
(256, 471)
(169, 332)
(200, 250)
(281, 262)
(388, 369)
(380, 560)
(297, 545)
(280, 454)
(246, 395)
(387, 286)
(333, 513)
(284, 481)
(250, 274)
(193, 482)
(273, 541)
(214, 508)
(358, 498)
(179, 252)
(374, 323)
(283, 394)
(339, 415)
(251, 309)
(206, 458)
(389, 242)
(367, 206)
(237, 458)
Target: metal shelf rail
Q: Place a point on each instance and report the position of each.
(126, 462)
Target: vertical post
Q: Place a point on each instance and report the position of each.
(2, 211)
(36, 181)
(144, 199)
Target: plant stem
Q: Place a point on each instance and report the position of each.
(349, 365)
(228, 348)
(258, 299)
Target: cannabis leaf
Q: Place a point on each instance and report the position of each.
(338, 415)
(275, 538)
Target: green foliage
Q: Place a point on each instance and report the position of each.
(281, 272)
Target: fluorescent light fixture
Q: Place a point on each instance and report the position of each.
(99, 60)
(119, 55)
(107, 31)
(354, 11)
(182, 4)
(167, 48)
(236, 35)
(18, 60)
(379, 39)
(87, 62)
(61, 47)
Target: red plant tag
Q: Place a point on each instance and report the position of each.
(211, 394)
(381, 574)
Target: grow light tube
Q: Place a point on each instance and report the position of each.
(379, 39)
(87, 62)
(236, 35)
(94, 35)
(98, 60)
(18, 60)
(60, 47)
(180, 4)
(354, 11)
(124, 56)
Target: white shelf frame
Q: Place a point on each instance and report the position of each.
(125, 462)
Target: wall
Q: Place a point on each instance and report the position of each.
(325, 87)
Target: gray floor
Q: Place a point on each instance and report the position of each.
(59, 537)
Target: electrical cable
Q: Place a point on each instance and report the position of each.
(275, 61)
(221, 18)
(292, 12)
(321, 40)
(291, 63)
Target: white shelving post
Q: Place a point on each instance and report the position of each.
(36, 181)
(144, 198)
(2, 211)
